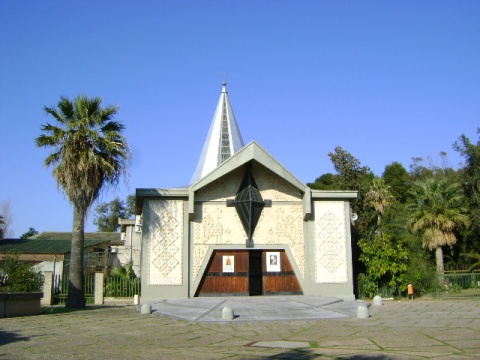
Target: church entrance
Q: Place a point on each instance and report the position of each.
(255, 274)
(249, 273)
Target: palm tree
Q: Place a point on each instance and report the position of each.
(88, 151)
(435, 214)
(379, 196)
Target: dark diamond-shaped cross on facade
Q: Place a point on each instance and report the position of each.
(249, 205)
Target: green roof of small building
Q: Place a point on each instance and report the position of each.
(41, 246)
(104, 236)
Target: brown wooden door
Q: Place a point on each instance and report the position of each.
(249, 275)
(283, 282)
(220, 280)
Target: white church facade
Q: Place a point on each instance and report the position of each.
(244, 226)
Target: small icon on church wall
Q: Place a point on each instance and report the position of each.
(273, 261)
(228, 263)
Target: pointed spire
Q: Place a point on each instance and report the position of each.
(223, 139)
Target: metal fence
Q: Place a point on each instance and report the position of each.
(60, 289)
(449, 284)
(116, 286)
(458, 284)
(113, 286)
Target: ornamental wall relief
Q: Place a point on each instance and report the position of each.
(330, 242)
(165, 242)
(215, 224)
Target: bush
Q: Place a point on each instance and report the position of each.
(385, 263)
(19, 277)
(422, 274)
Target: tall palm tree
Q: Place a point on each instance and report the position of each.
(379, 196)
(88, 152)
(436, 212)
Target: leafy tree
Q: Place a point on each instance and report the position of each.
(352, 176)
(130, 204)
(107, 214)
(349, 170)
(471, 173)
(325, 182)
(88, 152)
(31, 231)
(385, 263)
(2, 227)
(437, 211)
(6, 220)
(470, 178)
(21, 276)
(398, 179)
(421, 169)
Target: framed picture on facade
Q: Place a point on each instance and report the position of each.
(273, 261)
(228, 263)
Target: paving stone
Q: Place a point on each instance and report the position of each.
(124, 333)
(283, 344)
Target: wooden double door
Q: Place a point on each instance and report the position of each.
(249, 273)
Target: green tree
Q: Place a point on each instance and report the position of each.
(385, 263)
(325, 182)
(351, 175)
(349, 169)
(471, 174)
(6, 220)
(470, 178)
(2, 227)
(130, 204)
(421, 169)
(107, 214)
(88, 152)
(398, 179)
(436, 212)
(380, 197)
(31, 231)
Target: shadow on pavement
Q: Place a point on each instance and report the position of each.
(308, 355)
(7, 337)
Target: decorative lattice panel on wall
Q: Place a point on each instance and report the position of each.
(165, 242)
(330, 242)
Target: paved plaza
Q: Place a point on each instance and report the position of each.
(418, 329)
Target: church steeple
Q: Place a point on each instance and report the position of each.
(223, 139)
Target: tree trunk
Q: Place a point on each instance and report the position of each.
(76, 293)
(439, 258)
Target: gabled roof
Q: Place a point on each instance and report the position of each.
(103, 236)
(251, 152)
(40, 246)
(223, 139)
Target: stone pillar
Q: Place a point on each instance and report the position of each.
(99, 280)
(47, 289)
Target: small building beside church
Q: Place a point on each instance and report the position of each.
(244, 226)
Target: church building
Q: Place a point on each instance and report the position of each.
(244, 226)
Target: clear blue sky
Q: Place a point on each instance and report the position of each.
(386, 80)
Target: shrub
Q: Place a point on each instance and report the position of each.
(385, 262)
(20, 277)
